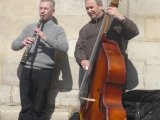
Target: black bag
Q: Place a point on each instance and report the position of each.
(142, 104)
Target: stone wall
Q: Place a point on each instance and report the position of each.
(71, 14)
(144, 49)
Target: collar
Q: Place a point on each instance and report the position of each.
(98, 19)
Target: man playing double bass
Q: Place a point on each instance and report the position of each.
(121, 30)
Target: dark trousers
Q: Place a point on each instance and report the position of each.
(34, 85)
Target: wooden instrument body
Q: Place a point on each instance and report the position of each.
(106, 86)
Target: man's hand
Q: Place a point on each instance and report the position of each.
(40, 33)
(85, 64)
(28, 41)
(113, 11)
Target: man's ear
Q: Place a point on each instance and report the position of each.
(101, 5)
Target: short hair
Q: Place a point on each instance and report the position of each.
(52, 1)
(98, 2)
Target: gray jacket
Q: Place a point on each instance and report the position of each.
(42, 54)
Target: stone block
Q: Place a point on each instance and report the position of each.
(72, 24)
(23, 9)
(10, 69)
(60, 116)
(9, 95)
(144, 50)
(70, 98)
(142, 8)
(70, 7)
(60, 97)
(72, 44)
(152, 74)
(5, 94)
(141, 27)
(9, 112)
(152, 28)
(12, 112)
(124, 7)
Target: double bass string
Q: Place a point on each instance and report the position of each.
(94, 52)
(87, 72)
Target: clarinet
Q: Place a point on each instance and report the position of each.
(25, 54)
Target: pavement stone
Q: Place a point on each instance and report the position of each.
(9, 112)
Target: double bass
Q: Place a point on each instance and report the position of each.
(107, 74)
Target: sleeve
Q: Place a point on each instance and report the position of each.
(58, 41)
(80, 49)
(17, 43)
(129, 29)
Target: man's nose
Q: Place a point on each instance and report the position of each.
(89, 10)
(42, 10)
